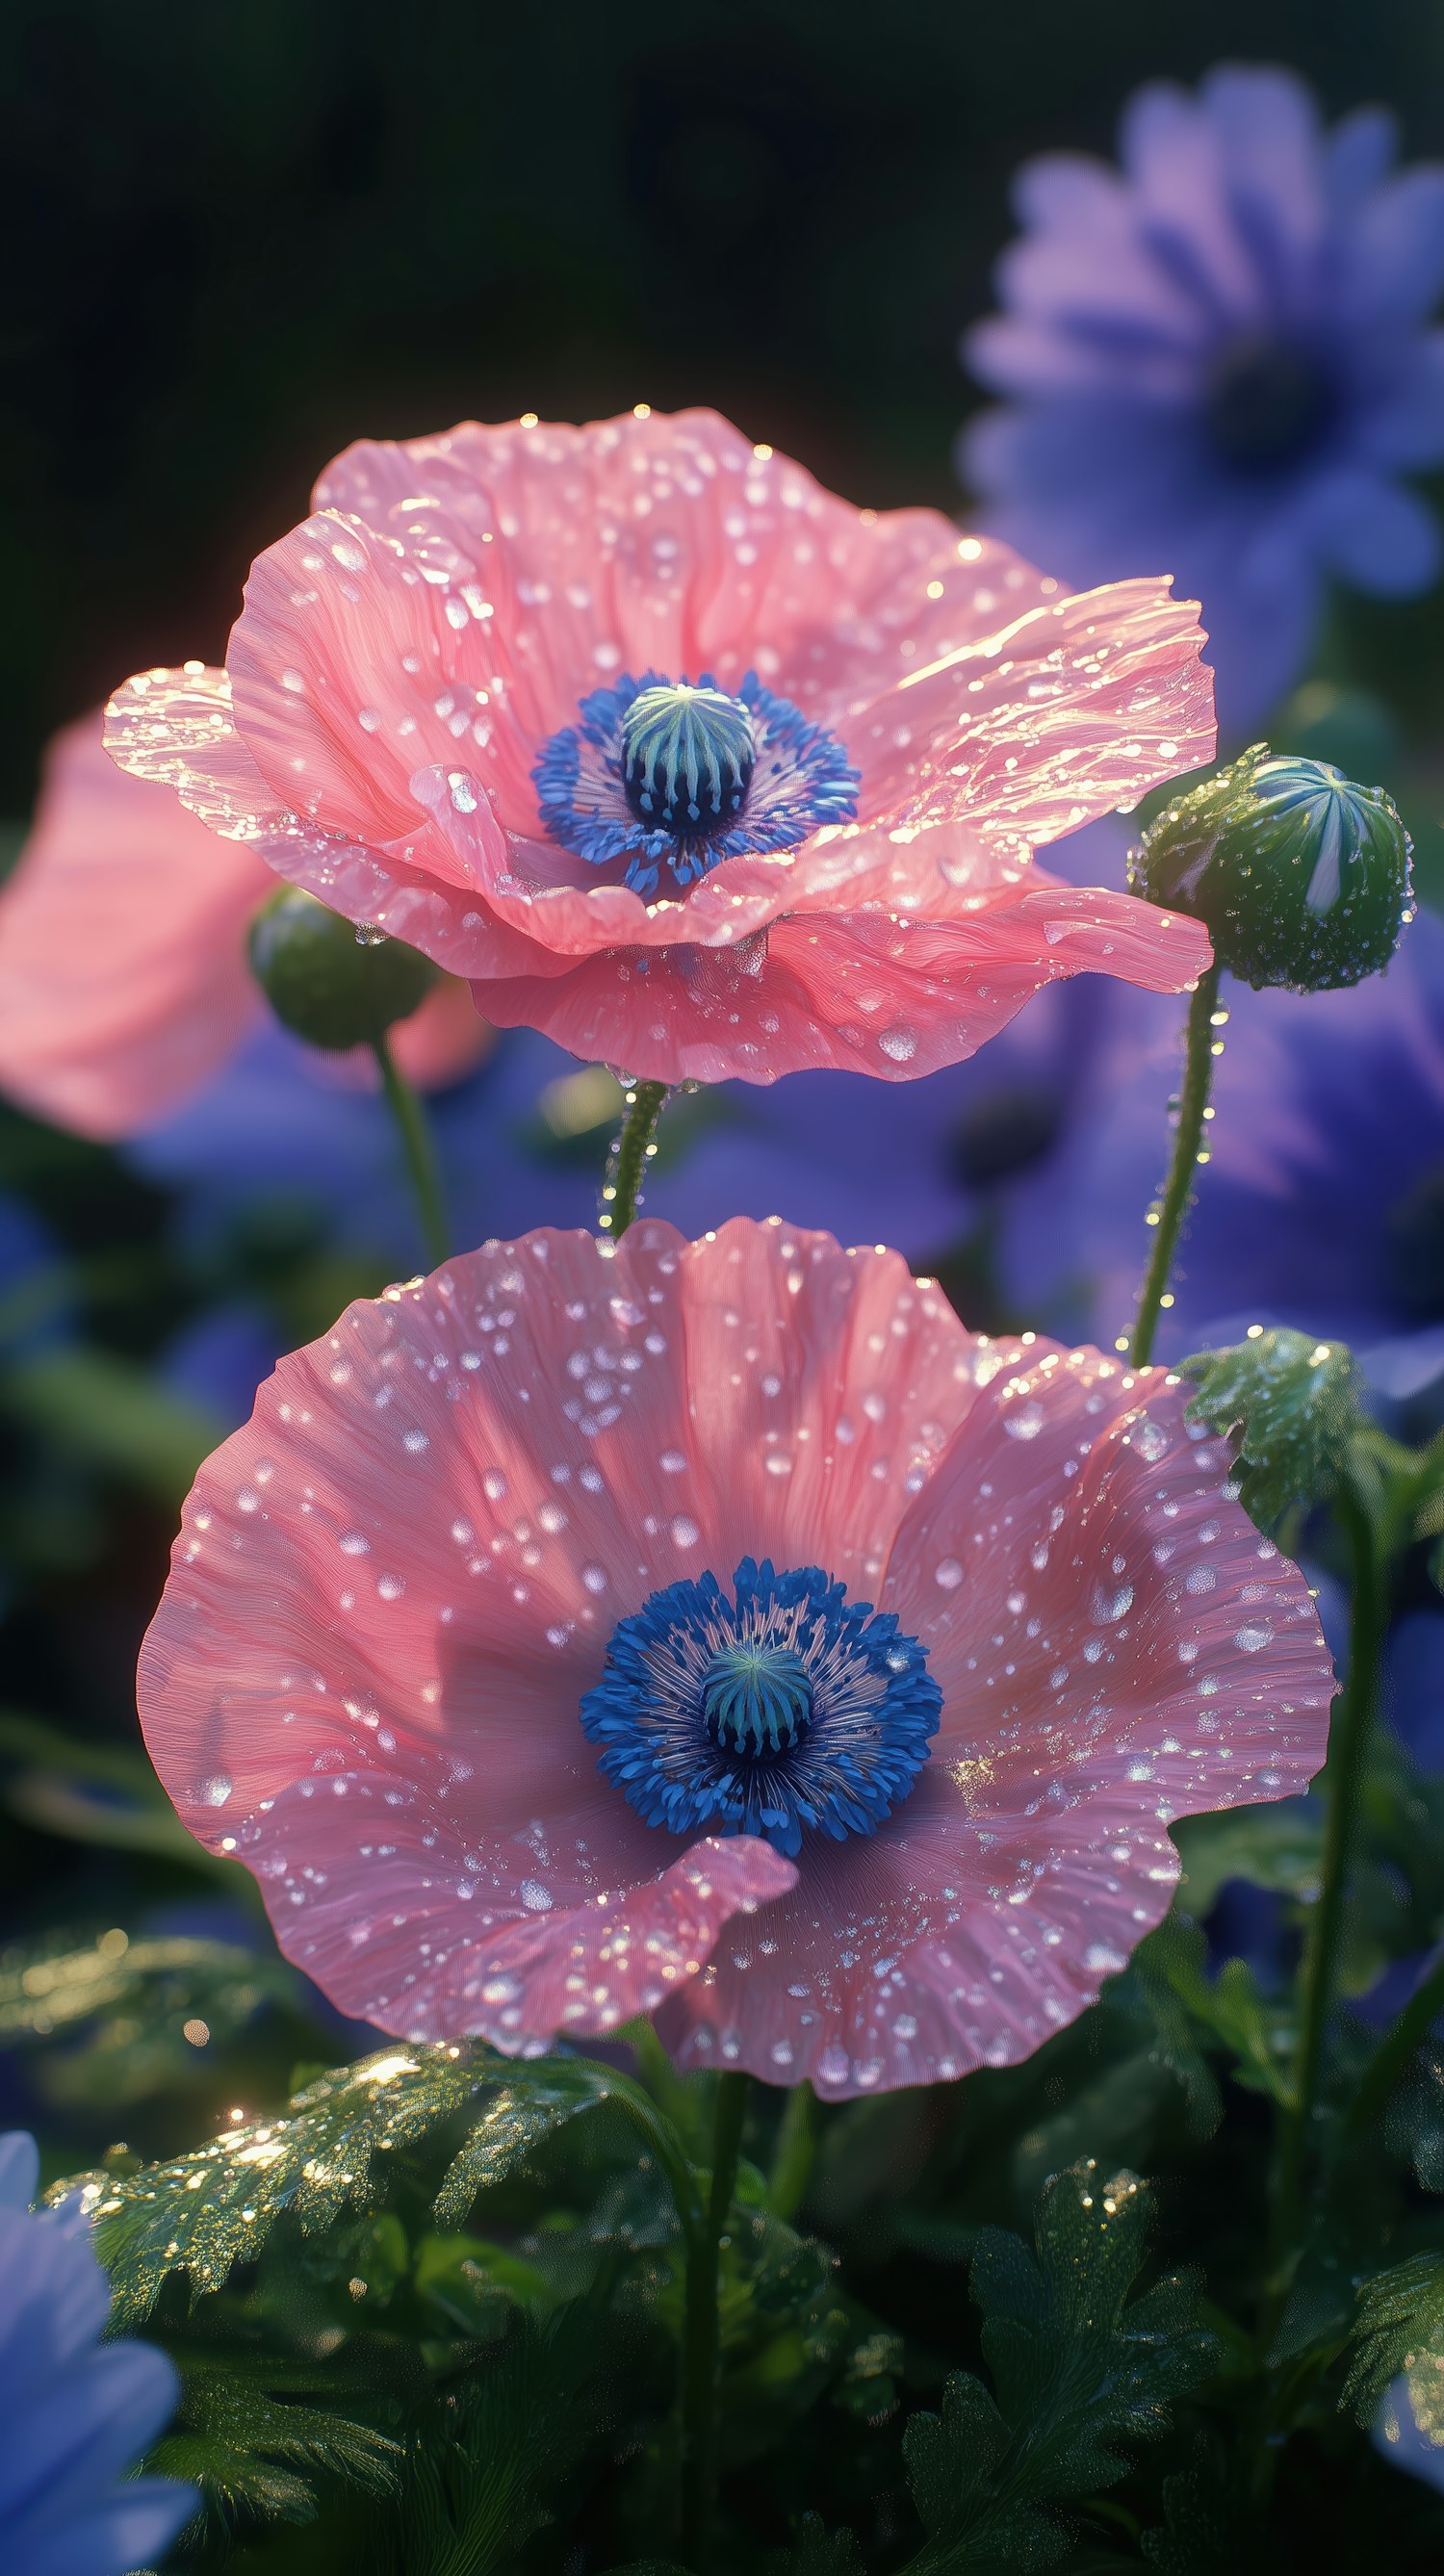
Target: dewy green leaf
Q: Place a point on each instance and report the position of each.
(1399, 2327)
(258, 2452)
(1291, 1402)
(205, 2211)
(1080, 2376)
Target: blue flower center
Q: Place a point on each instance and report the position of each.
(687, 758)
(1267, 404)
(782, 1709)
(757, 1699)
(665, 778)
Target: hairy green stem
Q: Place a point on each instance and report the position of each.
(418, 1146)
(701, 2343)
(1173, 1207)
(627, 1162)
(1350, 1736)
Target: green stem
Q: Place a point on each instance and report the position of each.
(1348, 1754)
(793, 2154)
(414, 1129)
(627, 1163)
(701, 2341)
(1173, 1208)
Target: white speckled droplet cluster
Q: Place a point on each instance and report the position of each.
(393, 1588)
(407, 652)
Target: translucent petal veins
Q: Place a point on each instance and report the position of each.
(672, 776)
(787, 1710)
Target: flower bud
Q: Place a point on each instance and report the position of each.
(1291, 1403)
(1301, 876)
(334, 985)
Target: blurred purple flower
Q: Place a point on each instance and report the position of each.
(75, 2412)
(257, 1136)
(1219, 362)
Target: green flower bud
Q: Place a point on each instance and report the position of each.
(1301, 876)
(335, 985)
(1291, 1403)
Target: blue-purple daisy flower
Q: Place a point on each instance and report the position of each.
(1218, 360)
(74, 2412)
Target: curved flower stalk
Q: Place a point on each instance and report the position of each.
(77, 2411)
(124, 986)
(677, 757)
(719, 1631)
(1219, 356)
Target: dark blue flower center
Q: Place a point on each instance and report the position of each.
(1266, 404)
(782, 1710)
(687, 758)
(757, 1699)
(666, 777)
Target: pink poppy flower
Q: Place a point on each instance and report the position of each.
(522, 1645)
(681, 759)
(123, 977)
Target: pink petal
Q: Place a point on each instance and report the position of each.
(406, 1920)
(1117, 1647)
(400, 1577)
(403, 656)
(1071, 710)
(665, 542)
(856, 991)
(123, 977)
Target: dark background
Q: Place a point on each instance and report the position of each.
(239, 236)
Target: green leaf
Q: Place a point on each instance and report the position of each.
(1081, 2375)
(1277, 1846)
(113, 1414)
(550, 2091)
(1399, 2327)
(203, 2212)
(1256, 2033)
(1292, 1404)
(257, 2454)
(153, 2007)
(481, 2463)
(816, 2551)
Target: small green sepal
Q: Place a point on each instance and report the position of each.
(328, 982)
(1301, 875)
(1292, 1405)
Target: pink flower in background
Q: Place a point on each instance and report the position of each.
(123, 977)
(677, 757)
(523, 1645)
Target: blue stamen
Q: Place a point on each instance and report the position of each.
(670, 777)
(788, 1709)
